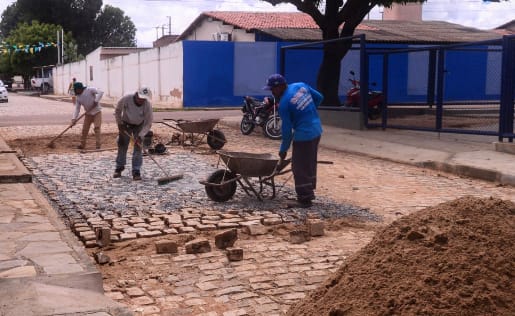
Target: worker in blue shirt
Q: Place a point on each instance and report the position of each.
(301, 124)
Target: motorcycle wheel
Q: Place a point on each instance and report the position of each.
(246, 125)
(223, 192)
(273, 128)
(216, 139)
(375, 112)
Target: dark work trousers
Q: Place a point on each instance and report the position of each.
(123, 146)
(304, 168)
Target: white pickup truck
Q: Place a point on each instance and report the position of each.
(42, 79)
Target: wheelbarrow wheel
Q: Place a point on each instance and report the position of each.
(216, 139)
(221, 193)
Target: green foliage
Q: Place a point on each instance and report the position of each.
(22, 62)
(83, 18)
(113, 29)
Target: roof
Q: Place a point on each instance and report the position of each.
(251, 21)
(506, 29)
(298, 26)
(396, 31)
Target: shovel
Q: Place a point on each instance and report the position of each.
(51, 143)
(163, 180)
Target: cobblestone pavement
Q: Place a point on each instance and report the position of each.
(274, 273)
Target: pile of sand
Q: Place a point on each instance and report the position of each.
(457, 258)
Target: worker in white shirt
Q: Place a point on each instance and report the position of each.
(89, 98)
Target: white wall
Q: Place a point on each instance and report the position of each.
(160, 69)
(205, 31)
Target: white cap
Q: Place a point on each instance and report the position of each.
(144, 93)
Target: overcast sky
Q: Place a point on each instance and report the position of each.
(147, 15)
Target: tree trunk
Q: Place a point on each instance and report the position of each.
(328, 79)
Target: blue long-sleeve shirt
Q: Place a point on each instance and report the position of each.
(298, 112)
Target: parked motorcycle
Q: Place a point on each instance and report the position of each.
(375, 98)
(261, 113)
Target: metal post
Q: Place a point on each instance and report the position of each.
(384, 111)
(440, 88)
(363, 77)
(58, 49)
(62, 46)
(431, 75)
(507, 87)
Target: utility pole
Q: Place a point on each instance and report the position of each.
(157, 32)
(163, 30)
(169, 25)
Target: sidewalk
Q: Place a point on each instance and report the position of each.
(44, 270)
(473, 156)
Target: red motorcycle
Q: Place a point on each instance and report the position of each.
(375, 99)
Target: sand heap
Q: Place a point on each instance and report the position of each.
(457, 258)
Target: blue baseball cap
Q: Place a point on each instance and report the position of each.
(274, 81)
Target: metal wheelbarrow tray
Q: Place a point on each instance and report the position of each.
(215, 138)
(240, 167)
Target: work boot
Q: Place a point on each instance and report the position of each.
(136, 176)
(118, 172)
(98, 146)
(81, 147)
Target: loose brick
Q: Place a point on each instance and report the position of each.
(299, 236)
(315, 227)
(235, 254)
(226, 239)
(166, 246)
(198, 245)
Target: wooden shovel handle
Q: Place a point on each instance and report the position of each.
(70, 126)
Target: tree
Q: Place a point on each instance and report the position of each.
(32, 45)
(80, 17)
(330, 15)
(113, 29)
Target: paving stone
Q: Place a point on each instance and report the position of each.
(299, 236)
(315, 227)
(256, 229)
(226, 239)
(198, 245)
(134, 292)
(166, 246)
(235, 254)
(184, 230)
(142, 300)
(149, 234)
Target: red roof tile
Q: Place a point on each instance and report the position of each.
(259, 20)
(267, 20)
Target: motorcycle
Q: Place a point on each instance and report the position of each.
(261, 113)
(375, 99)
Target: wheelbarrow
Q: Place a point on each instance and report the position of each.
(197, 130)
(240, 167)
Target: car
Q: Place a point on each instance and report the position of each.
(4, 95)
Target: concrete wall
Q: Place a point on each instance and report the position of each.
(160, 69)
(215, 74)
